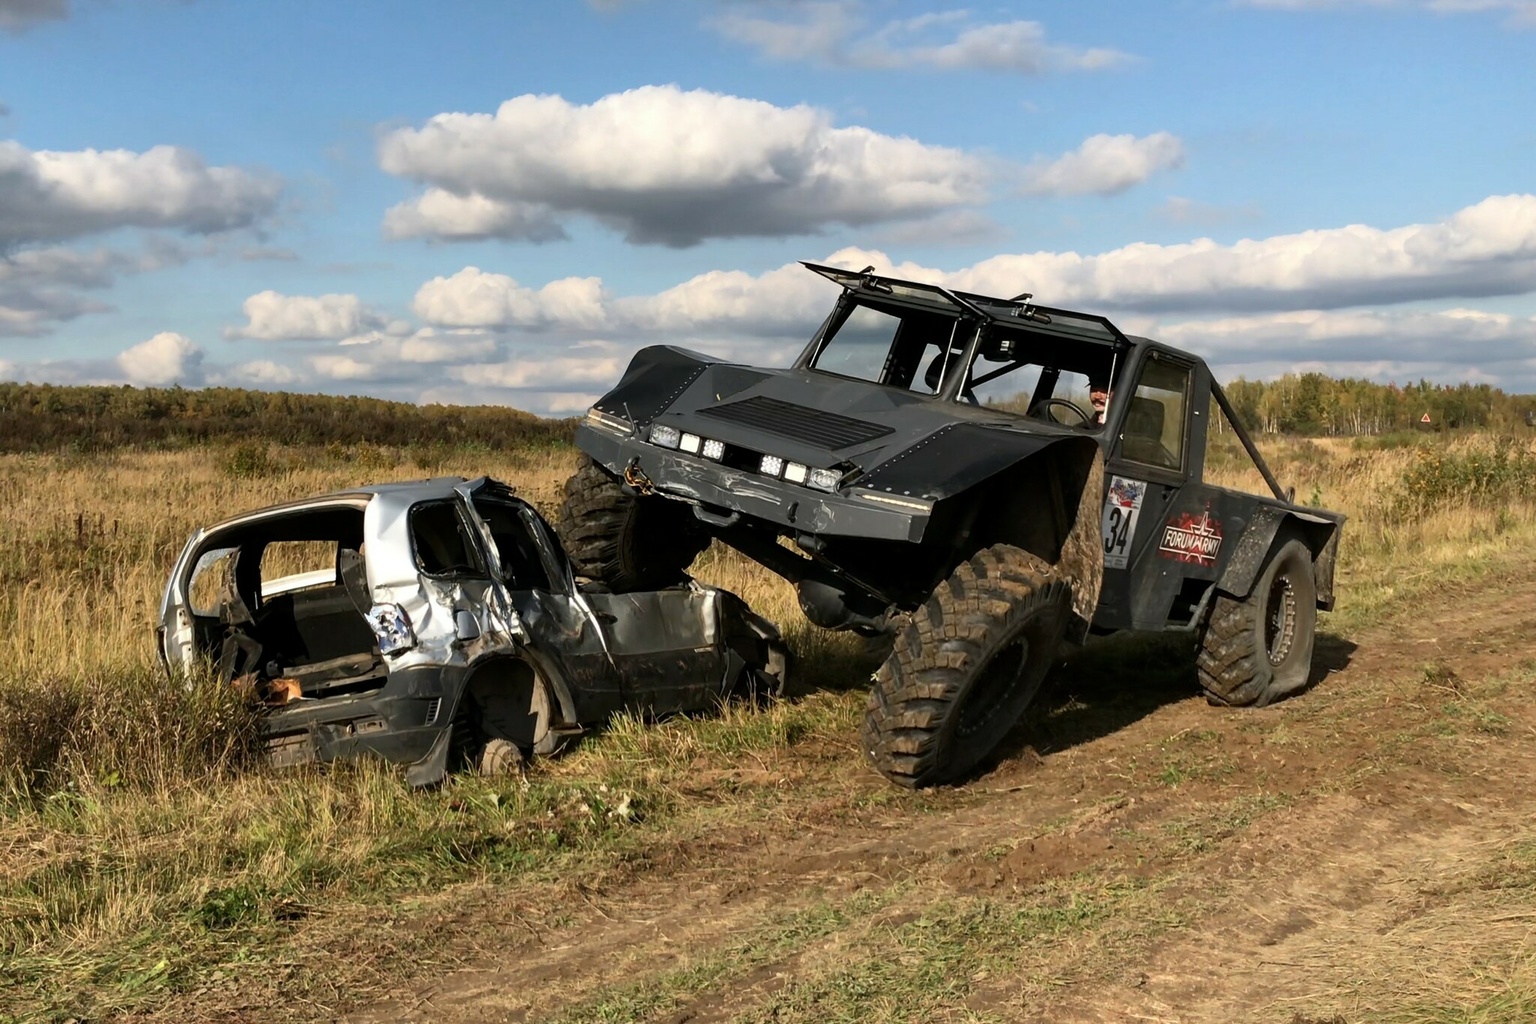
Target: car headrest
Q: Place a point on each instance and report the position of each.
(1145, 418)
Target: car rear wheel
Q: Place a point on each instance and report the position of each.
(628, 542)
(966, 667)
(1258, 649)
(500, 757)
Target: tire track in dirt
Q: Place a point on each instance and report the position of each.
(1376, 838)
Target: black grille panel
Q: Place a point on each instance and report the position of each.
(786, 419)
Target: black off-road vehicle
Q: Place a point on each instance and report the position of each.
(943, 465)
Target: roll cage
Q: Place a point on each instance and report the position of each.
(1011, 333)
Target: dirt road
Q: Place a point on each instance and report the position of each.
(1361, 852)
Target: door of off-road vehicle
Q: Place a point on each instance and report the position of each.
(1156, 443)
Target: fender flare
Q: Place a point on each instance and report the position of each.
(1069, 489)
(1268, 522)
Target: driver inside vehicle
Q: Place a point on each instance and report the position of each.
(1098, 395)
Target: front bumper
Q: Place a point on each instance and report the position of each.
(720, 493)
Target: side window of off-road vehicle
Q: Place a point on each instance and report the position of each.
(1153, 430)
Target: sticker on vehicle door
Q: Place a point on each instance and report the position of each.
(1122, 506)
(1191, 538)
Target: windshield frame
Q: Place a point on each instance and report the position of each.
(976, 311)
(848, 302)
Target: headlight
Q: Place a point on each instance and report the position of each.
(795, 473)
(771, 465)
(713, 449)
(607, 421)
(691, 442)
(824, 479)
(664, 436)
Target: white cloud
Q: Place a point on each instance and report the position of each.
(834, 32)
(597, 371)
(474, 298)
(345, 367)
(442, 215)
(412, 358)
(7, 369)
(48, 196)
(1105, 165)
(167, 358)
(17, 16)
(277, 317)
(1485, 249)
(263, 373)
(667, 166)
(1453, 338)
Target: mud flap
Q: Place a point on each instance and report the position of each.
(432, 769)
(1082, 556)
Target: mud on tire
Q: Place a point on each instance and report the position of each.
(1258, 649)
(966, 667)
(624, 540)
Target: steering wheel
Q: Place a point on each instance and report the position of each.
(1045, 403)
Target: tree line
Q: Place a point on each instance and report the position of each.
(44, 417)
(1315, 404)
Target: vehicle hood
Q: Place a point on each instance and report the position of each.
(824, 420)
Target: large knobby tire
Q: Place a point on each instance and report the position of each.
(626, 541)
(966, 667)
(1257, 650)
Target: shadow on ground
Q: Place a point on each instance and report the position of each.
(1115, 681)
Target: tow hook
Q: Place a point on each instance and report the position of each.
(635, 477)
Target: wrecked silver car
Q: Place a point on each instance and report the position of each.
(438, 624)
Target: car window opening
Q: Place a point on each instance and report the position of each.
(925, 352)
(522, 564)
(280, 607)
(1153, 432)
(442, 540)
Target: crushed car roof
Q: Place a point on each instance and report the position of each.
(408, 491)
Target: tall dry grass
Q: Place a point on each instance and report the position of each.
(86, 543)
(1422, 508)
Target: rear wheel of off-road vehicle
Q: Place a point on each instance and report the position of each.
(1257, 650)
(627, 541)
(966, 667)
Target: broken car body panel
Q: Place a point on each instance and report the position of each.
(444, 612)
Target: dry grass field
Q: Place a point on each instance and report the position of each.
(1361, 852)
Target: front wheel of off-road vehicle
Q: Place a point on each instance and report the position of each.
(1257, 650)
(627, 541)
(966, 667)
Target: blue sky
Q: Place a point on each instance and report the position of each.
(498, 202)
